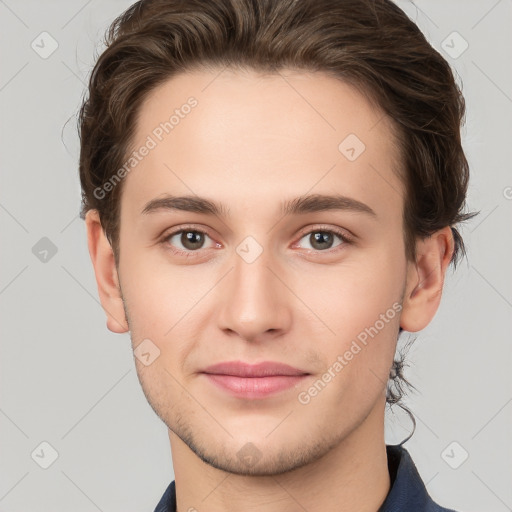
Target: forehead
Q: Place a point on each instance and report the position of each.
(240, 135)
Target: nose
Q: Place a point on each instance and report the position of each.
(254, 302)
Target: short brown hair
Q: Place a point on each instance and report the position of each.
(371, 44)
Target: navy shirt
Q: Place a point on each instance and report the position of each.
(407, 492)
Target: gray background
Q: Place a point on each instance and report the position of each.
(66, 380)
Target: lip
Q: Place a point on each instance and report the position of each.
(264, 369)
(253, 381)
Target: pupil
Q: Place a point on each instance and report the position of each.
(192, 239)
(321, 237)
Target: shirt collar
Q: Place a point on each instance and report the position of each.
(407, 491)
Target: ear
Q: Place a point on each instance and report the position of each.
(103, 261)
(425, 279)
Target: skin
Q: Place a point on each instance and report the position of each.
(250, 143)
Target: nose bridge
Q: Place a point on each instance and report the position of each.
(253, 301)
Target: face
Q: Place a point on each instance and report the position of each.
(315, 284)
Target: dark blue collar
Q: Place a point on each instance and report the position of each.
(407, 492)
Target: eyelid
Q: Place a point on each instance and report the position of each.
(346, 237)
(344, 234)
(180, 229)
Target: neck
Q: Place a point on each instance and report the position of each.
(353, 475)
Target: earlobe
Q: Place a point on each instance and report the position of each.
(425, 279)
(105, 270)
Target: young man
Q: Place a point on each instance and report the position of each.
(270, 190)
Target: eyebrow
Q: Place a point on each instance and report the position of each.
(298, 206)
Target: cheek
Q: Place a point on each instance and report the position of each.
(157, 293)
(360, 304)
(337, 303)
(165, 304)
(353, 295)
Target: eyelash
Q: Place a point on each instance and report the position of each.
(345, 238)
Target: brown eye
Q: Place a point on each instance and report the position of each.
(322, 240)
(192, 240)
(187, 240)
